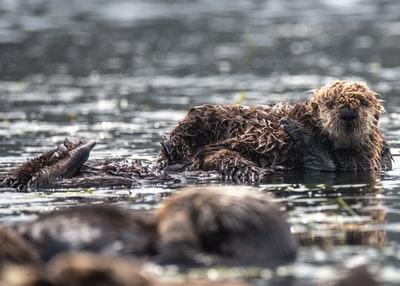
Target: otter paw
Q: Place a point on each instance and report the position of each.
(240, 170)
(288, 123)
(78, 153)
(316, 155)
(230, 164)
(65, 162)
(295, 130)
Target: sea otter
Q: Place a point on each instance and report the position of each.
(61, 162)
(98, 228)
(15, 249)
(208, 226)
(201, 226)
(65, 166)
(336, 130)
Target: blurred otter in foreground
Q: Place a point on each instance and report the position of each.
(336, 130)
(111, 245)
(194, 227)
(203, 226)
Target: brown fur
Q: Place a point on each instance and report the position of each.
(223, 226)
(15, 249)
(84, 268)
(90, 269)
(195, 227)
(239, 141)
(61, 162)
(336, 130)
(359, 275)
(356, 144)
(102, 229)
(63, 167)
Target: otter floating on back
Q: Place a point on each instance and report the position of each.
(336, 130)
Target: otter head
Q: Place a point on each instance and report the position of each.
(347, 113)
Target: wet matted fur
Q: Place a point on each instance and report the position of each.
(336, 130)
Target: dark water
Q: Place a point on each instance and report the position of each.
(123, 72)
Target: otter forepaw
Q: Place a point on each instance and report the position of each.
(316, 155)
(240, 170)
(246, 174)
(294, 129)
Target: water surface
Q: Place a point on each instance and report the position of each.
(125, 72)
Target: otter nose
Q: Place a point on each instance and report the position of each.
(348, 114)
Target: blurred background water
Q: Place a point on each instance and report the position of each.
(123, 72)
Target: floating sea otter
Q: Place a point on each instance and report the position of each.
(65, 166)
(200, 226)
(98, 245)
(336, 130)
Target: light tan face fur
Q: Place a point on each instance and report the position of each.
(348, 113)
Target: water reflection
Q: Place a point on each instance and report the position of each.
(338, 209)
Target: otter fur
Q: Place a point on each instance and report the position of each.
(208, 226)
(59, 163)
(97, 228)
(336, 130)
(199, 226)
(65, 166)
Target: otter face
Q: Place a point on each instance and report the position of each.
(347, 112)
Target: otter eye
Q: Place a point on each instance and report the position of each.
(364, 103)
(330, 104)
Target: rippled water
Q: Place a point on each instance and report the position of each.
(124, 72)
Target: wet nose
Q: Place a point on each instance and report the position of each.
(348, 114)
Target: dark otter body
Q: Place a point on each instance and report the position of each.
(336, 130)
(65, 166)
(194, 227)
(237, 141)
(101, 229)
(222, 226)
(59, 163)
(15, 249)
(88, 268)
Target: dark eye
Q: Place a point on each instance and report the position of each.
(330, 104)
(364, 103)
